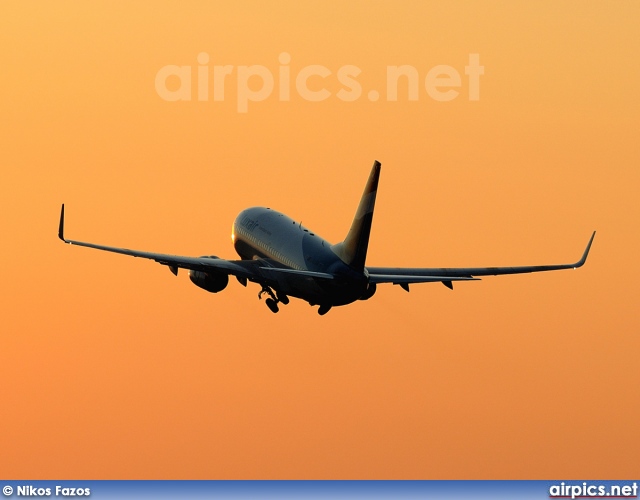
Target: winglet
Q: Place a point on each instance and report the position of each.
(581, 262)
(61, 228)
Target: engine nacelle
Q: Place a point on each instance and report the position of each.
(210, 281)
(368, 293)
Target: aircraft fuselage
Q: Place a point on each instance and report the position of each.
(263, 233)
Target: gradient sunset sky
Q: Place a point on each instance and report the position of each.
(113, 368)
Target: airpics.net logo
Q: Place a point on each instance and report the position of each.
(257, 83)
(591, 490)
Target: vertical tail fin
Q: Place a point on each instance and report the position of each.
(353, 250)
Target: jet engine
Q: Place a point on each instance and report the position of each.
(368, 293)
(210, 281)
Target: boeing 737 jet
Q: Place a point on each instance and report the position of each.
(288, 260)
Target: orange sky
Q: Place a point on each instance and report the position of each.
(113, 368)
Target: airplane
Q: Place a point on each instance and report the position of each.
(288, 260)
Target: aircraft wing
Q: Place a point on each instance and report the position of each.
(406, 275)
(254, 270)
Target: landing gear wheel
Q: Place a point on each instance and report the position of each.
(324, 309)
(272, 304)
(282, 298)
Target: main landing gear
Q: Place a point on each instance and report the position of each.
(323, 309)
(272, 304)
(274, 298)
